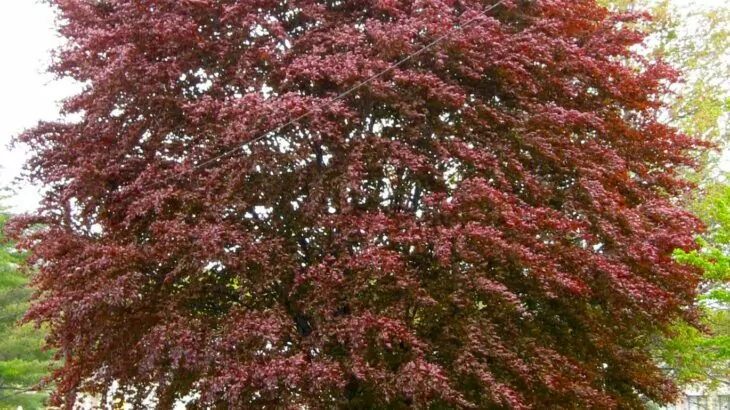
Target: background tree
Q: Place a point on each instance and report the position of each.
(696, 41)
(691, 355)
(490, 224)
(22, 362)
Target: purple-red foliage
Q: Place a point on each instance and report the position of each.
(489, 225)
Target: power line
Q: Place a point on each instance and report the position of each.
(354, 88)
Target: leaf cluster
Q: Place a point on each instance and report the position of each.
(696, 356)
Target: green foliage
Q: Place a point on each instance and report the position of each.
(692, 355)
(22, 361)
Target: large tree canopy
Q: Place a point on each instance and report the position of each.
(488, 225)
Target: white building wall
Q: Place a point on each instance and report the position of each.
(698, 398)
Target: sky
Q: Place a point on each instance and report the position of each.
(28, 94)
(27, 36)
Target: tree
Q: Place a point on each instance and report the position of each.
(696, 41)
(22, 362)
(693, 356)
(489, 224)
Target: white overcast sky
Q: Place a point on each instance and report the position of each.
(29, 94)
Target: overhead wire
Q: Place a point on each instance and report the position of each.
(481, 14)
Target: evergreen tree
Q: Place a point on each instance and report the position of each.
(22, 361)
